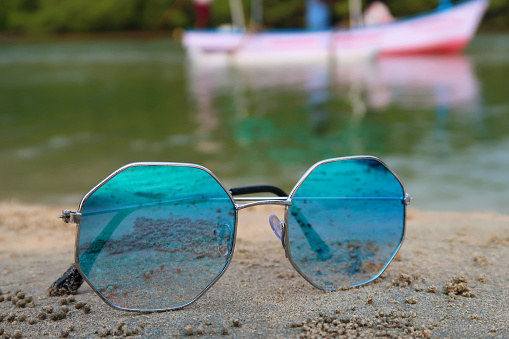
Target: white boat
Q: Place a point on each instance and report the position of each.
(444, 30)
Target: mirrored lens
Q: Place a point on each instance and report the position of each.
(346, 222)
(155, 237)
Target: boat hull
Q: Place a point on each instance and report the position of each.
(439, 32)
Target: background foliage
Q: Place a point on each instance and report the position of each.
(59, 16)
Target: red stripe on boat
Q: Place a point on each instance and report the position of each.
(443, 48)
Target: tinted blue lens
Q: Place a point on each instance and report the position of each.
(346, 222)
(155, 237)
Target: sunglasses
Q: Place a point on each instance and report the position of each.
(156, 236)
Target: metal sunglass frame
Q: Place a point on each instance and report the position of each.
(73, 277)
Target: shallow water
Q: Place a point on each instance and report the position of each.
(72, 112)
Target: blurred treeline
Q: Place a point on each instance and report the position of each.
(60, 16)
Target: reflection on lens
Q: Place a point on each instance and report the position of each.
(346, 222)
(148, 237)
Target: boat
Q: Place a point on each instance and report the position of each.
(445, 30)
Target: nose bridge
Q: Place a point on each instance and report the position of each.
(278, 226)
(257, 201)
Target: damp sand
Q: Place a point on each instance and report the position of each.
(450, 279)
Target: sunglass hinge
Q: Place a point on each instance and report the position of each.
(70, 217)
(408, 198)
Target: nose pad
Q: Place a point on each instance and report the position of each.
(276, 225)
(223, 234)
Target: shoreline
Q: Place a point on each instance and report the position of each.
(449, 279)
(17, 37)
(171, 35)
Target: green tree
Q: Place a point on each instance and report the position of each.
(497, 15)
(75, 15)
(113, 15)
(164, 14)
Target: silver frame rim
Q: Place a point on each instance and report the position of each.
(136, 164)
(285, 201)
(288, 253)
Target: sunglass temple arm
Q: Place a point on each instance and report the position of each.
(258, 189)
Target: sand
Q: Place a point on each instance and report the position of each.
(450, 279)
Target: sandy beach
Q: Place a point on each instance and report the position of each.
(450, 279)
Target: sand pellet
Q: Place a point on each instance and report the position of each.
(411, 301)
(103, 332)
(458, 286)
(188, 330)
(403, 280)
(79, 305)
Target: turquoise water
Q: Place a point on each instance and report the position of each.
(72, 112)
